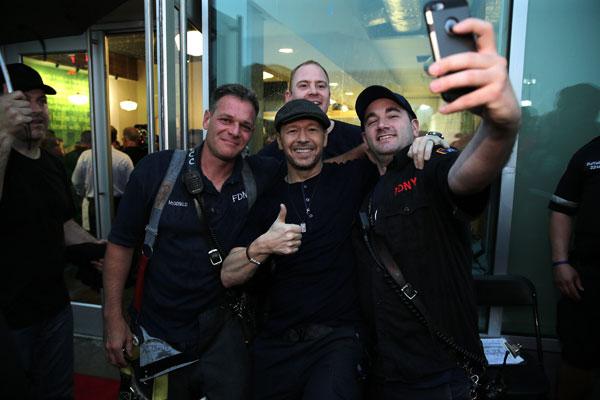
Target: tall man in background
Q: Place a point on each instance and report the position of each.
(575, 241)
(310, 81)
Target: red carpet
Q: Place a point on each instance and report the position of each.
(94, 388)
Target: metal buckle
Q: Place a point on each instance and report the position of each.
(147, 251)
(215, 257)
(409, 291)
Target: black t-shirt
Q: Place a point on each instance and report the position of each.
(180, 282)
(426, 229)
(136, 153)
(342, 138)
(317, 283)
(578, 194)
(36, 202)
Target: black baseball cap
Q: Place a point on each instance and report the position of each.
(297, 109)
(25, 78)
(376, 92)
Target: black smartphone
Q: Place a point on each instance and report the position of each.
(440, 17)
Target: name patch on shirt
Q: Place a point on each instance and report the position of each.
(239, 197)
(592, 165)
(405, 186)
(177, 203)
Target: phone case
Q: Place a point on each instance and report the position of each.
(439, 17)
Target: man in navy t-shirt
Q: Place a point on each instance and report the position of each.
(184, 303)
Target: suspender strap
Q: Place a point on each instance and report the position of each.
(166, 187)
(249, 183)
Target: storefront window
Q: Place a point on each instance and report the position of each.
(359, 43)
(561, 100)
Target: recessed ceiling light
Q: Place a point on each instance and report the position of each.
(525, 103)
(286, 50)
(267, 75)
(349, 93)
(333, 84)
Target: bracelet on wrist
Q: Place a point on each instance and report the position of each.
(250, 259)
(560, 262)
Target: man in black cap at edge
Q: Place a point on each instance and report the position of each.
(36, 211)
(422, 218)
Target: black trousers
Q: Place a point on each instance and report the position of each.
(578, 322)
(325, 368)
(221, 373)
(449, 385)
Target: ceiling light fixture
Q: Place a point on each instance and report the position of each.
(333, 84)
(404, 15)
(286, 50)
(128, 105)
(195, 44)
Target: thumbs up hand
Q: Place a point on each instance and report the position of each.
(282, 238)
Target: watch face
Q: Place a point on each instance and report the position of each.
(434, 133)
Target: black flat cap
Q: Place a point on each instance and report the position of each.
(25, 78)
(376, 92)
(300, 109)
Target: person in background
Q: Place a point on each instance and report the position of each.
(36, 211)
(83, 182)
(575, 242)
(54, 146)
(131, 144)
(84, 143)
(310, 81)
(114, 141)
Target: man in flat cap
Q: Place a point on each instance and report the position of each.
(36, 211)
(309, 347)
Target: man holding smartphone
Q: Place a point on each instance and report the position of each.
(419, 219)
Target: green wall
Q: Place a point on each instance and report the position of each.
(67, 120)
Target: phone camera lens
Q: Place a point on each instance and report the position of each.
(449, 25)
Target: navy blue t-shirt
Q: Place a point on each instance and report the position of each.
(317, 284)
(180, 282)
(342, 138)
